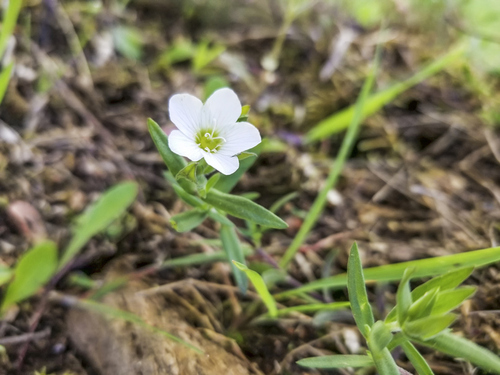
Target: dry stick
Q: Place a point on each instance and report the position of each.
(19, 339)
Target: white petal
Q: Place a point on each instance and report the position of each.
(185, 113)
(184, 146)
(224, 164)
(223, 106)
(239, 137)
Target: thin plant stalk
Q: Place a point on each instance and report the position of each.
(338, 166)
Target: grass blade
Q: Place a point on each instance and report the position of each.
(394, 272)
(344, 152)
(314, 307)
(232, 247)
(336, 361)
(110, 206)
(5, 79)
(9, 23)
(260, 287)
(458, 347)
(340, 121)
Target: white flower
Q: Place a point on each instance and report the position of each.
(210, 130)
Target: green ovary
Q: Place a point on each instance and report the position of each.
(209, 141)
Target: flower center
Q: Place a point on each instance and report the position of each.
(209, 141)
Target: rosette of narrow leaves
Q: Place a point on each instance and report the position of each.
(424, 316)
(377, 334)
(425, 312)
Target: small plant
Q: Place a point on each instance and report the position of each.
(40, 264)
(421, 316)
(215, 136)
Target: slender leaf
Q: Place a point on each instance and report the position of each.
(244, 209)
(5, 78)
(336, 361)
(394, 272)
(360, 306)
(428, 327)
(342, 119)
(403, 296)
(9, 21)
(232, 247)
(449, 280)
(276, 206)
(260, 287)
(459, 347)
(314, 307)
(416, 359)
(451, 299)
(188, 220)
(344, 152)
(33, 270)
(5, 274)
(110, 206)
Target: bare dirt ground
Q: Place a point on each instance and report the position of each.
(424, 179)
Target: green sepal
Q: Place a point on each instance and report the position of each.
(244, 209)
(428, 327)
(245, 155)
(188, 172)
(186, 221)
(244, 113)
(358, 297)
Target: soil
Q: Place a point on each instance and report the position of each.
(423, 181)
